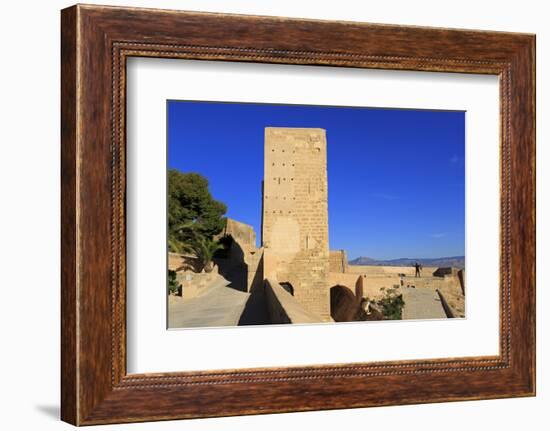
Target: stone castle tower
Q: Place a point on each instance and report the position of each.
(295, 214)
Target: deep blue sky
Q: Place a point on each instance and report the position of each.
(396, 176)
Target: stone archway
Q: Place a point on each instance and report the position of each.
(344, 305)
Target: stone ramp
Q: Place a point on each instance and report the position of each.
(422, 304)
(219, 306)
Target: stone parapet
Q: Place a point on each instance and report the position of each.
(282, 307)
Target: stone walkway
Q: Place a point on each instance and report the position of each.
(219, 306)
(422, 303)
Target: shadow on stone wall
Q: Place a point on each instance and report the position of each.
(232, 266)
(460, 276)
(255, 311)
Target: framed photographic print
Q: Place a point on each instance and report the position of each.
(267, 215)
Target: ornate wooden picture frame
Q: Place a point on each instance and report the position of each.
(96, 41)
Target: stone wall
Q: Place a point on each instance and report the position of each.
(461, 279)
(338, 261)
(449, 283)
(175, 261)
(182, 262)
(445, 271)
(240, 264)
(282, 307)
(351, 281)
(295, 214)
(197, 284)
(387, 270)
(369, 285)
(241, 233)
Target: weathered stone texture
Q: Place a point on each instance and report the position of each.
(338, 261)
(241, 262)
(295, 214)
(241, 233)
(282, 307)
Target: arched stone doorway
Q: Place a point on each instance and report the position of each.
(344, 305)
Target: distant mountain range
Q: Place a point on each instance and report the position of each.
(455, 261)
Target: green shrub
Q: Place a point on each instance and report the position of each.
(392, 305)
(204, 250)
(173, 286)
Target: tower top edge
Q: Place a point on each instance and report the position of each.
(295, 129)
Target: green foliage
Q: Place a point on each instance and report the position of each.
(193, 214)
(204, 249)
(392, 304)
(173, 285)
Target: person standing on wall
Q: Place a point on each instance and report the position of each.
(417, 269)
